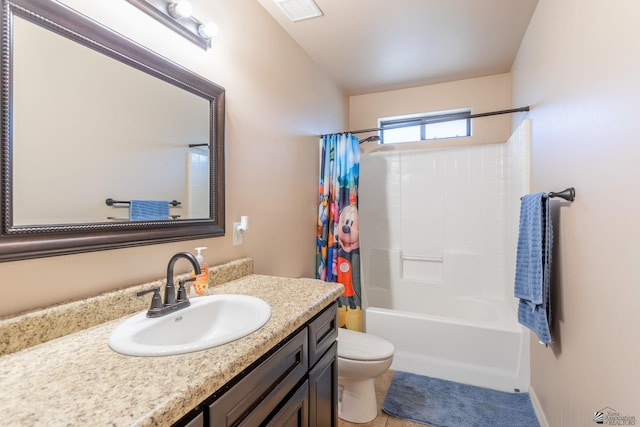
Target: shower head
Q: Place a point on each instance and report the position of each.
(374, 138)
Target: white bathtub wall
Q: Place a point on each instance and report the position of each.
(474, 218)
(379, 192)
(421, 206)
(517, 166)
(439, 214)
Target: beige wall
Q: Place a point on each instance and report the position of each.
(578, 68)
(277, 103)
(481, 94)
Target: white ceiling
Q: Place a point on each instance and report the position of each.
(369, 46)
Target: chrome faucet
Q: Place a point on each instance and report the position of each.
(172, 304)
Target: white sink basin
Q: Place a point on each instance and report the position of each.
(208, 322)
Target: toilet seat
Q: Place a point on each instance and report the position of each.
(355, 345)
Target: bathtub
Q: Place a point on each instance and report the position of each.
(438, 240)
(464, 339)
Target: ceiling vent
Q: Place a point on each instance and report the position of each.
(297, 10)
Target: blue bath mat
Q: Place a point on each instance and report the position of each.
(441, 403)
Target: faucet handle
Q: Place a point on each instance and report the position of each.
(182, 292)
(156, 300)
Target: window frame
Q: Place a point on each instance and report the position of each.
(424, 120)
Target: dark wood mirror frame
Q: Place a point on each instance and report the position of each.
(24, 242)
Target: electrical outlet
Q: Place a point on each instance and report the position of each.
(237, 235)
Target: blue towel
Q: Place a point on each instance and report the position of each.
(148, 210)
(533, 265)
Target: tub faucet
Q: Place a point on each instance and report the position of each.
(171, 304)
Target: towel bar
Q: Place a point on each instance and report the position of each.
(111, 202)
(568, 194)
(119, 218)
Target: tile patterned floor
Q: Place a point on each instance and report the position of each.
(382, 420)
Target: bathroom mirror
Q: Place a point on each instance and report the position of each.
(92, 120)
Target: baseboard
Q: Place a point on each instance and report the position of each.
(537, 408)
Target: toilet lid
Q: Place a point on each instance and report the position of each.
(361, 346)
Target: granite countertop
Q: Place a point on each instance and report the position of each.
(78, 380)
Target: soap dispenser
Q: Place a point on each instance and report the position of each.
(201, 282)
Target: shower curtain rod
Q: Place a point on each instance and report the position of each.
(435, 120)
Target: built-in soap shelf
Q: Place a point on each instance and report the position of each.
(421, 268)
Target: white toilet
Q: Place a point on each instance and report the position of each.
(361, 358)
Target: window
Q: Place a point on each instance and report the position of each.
(442, 124)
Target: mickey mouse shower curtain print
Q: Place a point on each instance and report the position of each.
(338, 243)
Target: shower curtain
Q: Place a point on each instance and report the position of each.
(338, 243)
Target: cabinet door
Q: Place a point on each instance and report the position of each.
(294, 413)
(323, 331)
(323, 390)
(254, 397)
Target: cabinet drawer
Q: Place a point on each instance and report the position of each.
(323, 331)
(254, 397)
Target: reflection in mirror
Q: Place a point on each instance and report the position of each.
(90, 116)
(94, 147)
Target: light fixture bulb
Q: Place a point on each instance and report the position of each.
(180, 9)
(208, 30)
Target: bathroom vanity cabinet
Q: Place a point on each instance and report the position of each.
(294, 384)
(283, 374)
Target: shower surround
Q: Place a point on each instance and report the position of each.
(438, 241)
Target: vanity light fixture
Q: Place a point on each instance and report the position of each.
(208, 30)
(177, 15)
(180, 9)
